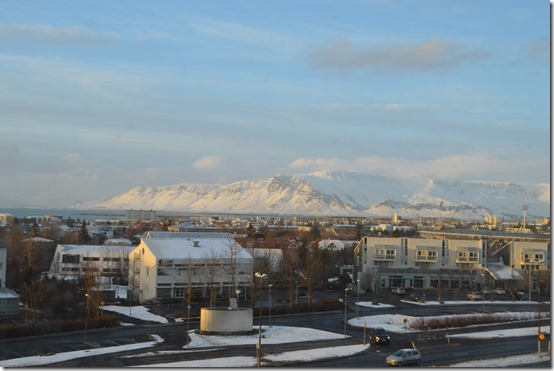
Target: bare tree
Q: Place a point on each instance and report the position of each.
(231, 256)
(115, 262)
(290, 264)
(34, 295)
(91, 279)
(212, 260)
(312, 271)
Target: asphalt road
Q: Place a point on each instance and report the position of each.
(435, 348)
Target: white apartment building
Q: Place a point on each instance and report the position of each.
(165, 264)
(71, 261)
(418, 263)
(454, 263)
(530, 259)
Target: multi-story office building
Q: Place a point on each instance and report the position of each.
(427, 263)
(166, 264)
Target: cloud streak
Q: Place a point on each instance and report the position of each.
(454, 167)
(55, 35)
(424, 56)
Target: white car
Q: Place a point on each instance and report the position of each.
(404, 357)
(398, 291)
(500, 291)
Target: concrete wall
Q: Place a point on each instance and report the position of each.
(223, 320)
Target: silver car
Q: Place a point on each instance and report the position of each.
(404, 357)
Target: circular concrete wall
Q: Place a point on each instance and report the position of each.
(226, 321)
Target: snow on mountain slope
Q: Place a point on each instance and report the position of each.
(344, 193)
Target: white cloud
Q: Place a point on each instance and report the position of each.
(472, 166)
(208, 162)
(423, 56)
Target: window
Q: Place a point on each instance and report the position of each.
(90, 259)
(70, 259)
(163, 292)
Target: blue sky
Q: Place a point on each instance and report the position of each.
(97, 97)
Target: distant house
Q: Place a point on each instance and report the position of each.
(9, 302)
(165, 264)
(333, 245)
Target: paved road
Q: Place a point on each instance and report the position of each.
(328, 321)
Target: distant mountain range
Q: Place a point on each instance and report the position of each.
(345, 193)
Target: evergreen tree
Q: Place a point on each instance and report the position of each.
(84, 237)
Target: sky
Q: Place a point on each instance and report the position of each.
(98, 97)
(281, 334)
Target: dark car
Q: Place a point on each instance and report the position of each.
(418, 298)
(379, 335)
(520, 296)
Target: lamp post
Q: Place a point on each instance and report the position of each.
(262, 277)
(270, 303)
(482, 292)
(86, 315)
(358, 303)
(538, 262)
(296, 283)
(345, 305)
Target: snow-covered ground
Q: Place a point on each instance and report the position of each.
(279, 334)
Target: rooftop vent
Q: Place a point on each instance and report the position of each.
(195, 243)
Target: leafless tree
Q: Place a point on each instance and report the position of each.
(290, 265)
(231, 257)
(313, 271)
(213, 270)
(91, 279)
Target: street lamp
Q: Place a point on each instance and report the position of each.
(296, 282)
(358, 303)
(538, 262)
(345, 304)
(270, 303)
(86, 315)
(482, 292)
(262, 277)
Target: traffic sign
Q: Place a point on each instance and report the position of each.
(541, 336)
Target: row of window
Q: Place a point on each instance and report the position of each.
(76, 259)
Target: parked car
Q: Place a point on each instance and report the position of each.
(398, 291)
(500, 291)
(417, 298)
(404, 357)
(520, 296)
(486, 291)
(473, 296)
(379, 335)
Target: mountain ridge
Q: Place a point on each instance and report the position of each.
(344, 193)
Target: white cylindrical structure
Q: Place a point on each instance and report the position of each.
(225, 321)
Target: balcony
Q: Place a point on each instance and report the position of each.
(385, 257)
(467, 259)
(426, 258)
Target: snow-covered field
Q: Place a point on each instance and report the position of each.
(279, 334)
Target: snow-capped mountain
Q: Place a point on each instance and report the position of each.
(344, 193)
